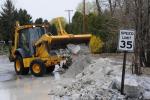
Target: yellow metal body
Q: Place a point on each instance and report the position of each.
(41, 47)
(27, 61)
(41, 51)
(36, 68)
(61, 32)
(49, 61)
(18, 65)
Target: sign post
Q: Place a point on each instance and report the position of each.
(123, 72)
(126, 44)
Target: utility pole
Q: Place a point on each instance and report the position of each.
(84, 18)
(69, 14)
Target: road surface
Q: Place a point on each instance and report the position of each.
(13, 87)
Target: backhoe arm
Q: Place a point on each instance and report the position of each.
(61, 30)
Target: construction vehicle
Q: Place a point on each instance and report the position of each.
(35, 51)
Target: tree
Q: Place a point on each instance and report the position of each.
(142, 41)
(7, 19)
(105, 27)
(90, 7)
(112, 6)
(101, 24)
(98, 7)
(39, 21)
(23, 17)
(46, 22)
(68, 28)
(56, 24)
(77, 23)
(53, 29)
(48, 26)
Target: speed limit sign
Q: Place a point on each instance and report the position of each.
(126, 44)
(126, 40)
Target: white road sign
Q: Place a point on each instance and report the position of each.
(126, 40)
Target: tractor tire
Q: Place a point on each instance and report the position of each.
(50, 69)
(38, 68)
(19, 67)
(65, 66)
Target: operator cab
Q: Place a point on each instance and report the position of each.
(27, 37)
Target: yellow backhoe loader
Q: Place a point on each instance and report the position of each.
(38, 52)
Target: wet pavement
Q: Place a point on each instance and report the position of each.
(13, 87)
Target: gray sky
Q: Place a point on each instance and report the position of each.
(47, 9)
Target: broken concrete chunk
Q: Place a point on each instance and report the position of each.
(76, 96)
(74, 49)
(131, 87)
(146, 95)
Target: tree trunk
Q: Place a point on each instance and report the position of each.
(98, 6)
(111, 7)
(148, 35)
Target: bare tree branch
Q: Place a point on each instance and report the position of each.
(98, 7)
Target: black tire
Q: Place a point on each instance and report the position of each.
(41, 68)
(65, 66)
(19, 67)
(50, 69)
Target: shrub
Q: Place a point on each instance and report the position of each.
(96, 44)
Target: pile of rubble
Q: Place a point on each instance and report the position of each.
(80, 62)
(101, 80)
(81, 58)
(91, 83)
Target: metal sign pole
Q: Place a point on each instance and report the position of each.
(123, 72)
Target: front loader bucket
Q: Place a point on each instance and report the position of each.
(63, 40)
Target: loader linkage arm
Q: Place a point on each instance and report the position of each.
(44, 38)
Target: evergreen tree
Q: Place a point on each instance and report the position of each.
(53, 29)
(77, 23)
(7, 19)
(48, 26)
(39, 21)
(23, 17)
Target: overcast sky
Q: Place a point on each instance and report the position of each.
(47, 9)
